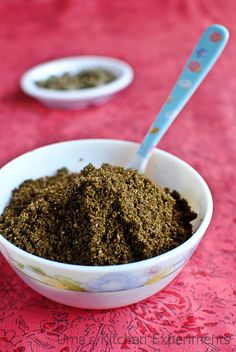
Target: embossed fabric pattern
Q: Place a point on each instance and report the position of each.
(197, 311)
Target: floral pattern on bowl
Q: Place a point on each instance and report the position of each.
(57, 281)
(110, 282)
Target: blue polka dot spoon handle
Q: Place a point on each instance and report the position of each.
(203, 57)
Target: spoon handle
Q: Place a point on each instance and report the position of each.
(200, 62)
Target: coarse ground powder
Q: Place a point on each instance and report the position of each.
(82, 80)
(102, 216)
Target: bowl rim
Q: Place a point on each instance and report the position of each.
(175, 252)
(125, 77)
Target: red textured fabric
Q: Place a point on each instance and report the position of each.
(156, 38)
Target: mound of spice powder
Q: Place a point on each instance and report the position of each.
(82, 80)
(100, 216)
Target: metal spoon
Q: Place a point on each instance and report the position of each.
(203, 57)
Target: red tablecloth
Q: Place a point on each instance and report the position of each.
(156, 37)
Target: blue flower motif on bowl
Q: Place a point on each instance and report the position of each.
(114, 282)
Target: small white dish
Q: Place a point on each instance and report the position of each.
(81, 98)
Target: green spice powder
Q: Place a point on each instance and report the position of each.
(97, 217)
(82, 80)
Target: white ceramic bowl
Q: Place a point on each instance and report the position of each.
(104, 286)
(81, 98)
